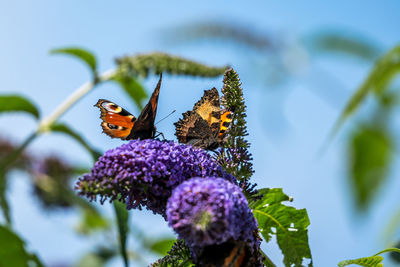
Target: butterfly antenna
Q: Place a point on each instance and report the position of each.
(165, 117)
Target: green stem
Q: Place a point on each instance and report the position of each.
(4, 165)
(45, 124)
(13, 156)
(122, 216)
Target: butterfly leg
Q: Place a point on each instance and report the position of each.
(160, 134)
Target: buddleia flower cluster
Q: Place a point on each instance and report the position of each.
(213, 217)
(143, 173)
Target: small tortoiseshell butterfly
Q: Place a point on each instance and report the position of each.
(119, 123)
(228, 254)
(205, 126)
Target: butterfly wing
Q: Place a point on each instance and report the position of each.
(201, 126)
(226, 119)
(193, 129)
(144, 126)
(116, 121)
(208, 107)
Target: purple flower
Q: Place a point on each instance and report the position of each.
(210, 211)
(144, 173)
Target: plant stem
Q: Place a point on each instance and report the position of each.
(10, 158)
(45, 124)
(122, 216)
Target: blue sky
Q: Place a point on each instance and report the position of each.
(284, 156)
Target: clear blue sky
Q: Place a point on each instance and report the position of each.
(284, 156)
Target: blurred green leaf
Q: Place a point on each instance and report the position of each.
(133, 88)
(289, 223)
(80, 53)
(91, 260)
(11, 156)
(395, 255)
(63, 128)
(217, 30)
(122, 216)
(373, 261)
(348, 43)
(17, 103)
(370, 154)
(161, 246)
(92, 220)
(12, 251)
(378, 81)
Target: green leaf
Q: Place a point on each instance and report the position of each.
(63, 128)
(17, 103)
(90, 260)
(92, 221)
(12, 251)
(97, 258)
(132, 87)
(370, 154)
(80, 53)
(266, 260)
(287, 223)
(269, 196)
(378, 81)
(350, 43)
(373, 261)
(122, 216)
(161, 246)
(234, 33)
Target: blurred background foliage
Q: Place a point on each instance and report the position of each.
(274, 60)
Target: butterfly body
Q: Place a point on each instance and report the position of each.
(205, 126)
(119, 123)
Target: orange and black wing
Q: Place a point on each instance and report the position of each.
(116, 121)
(226, 119)
(144, 126)
(209, 109)
(201, 126)
(194, 130)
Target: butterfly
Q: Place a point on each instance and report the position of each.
(205, 126)
(228, 254)
(119, 123)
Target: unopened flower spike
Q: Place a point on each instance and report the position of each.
(234, 157)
